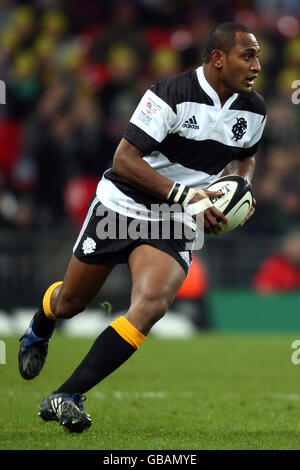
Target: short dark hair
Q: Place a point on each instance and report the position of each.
(222, 37)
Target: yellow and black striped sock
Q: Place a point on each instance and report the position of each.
(110, 350)
(47, 300)
(128, 331)
(44, 323)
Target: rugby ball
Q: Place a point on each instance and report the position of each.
(236, 202)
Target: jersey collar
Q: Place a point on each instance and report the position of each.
(211, 92)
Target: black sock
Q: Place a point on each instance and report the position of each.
(42, 325)
(108, 352)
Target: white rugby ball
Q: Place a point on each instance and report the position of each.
(236, 202)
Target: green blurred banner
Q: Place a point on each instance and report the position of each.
(245, 310)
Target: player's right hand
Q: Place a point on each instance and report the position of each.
(212, 216)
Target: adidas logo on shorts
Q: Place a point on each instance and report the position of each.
(185, 255)
(191, 123)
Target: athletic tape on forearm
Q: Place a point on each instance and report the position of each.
(199, 206)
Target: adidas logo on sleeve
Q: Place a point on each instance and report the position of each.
(191, 123)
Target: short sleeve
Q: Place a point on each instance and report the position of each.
(150, 123)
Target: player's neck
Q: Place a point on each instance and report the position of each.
(219, 86)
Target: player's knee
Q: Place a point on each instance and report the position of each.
(67, 307)
(153, 307)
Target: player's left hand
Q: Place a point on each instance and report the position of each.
(250, 213)
(212, 215)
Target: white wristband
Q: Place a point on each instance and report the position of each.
(180, 194)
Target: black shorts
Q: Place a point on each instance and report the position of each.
(107, 237)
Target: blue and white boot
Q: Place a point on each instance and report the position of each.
(32, 354)
(67, 410)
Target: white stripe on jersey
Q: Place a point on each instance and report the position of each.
(217, 125)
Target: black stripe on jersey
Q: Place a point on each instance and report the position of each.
(140, 139)
(181, 88)
(252, 102)
(207, 155)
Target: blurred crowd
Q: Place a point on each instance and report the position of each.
(75, 70)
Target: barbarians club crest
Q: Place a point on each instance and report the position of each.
(239, 129)
(88, 246)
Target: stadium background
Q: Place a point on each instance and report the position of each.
(74, 72)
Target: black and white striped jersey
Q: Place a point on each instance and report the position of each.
(186, 136)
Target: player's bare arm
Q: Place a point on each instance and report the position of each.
(244, 168)
(129, 164)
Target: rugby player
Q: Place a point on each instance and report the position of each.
(186, 131)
